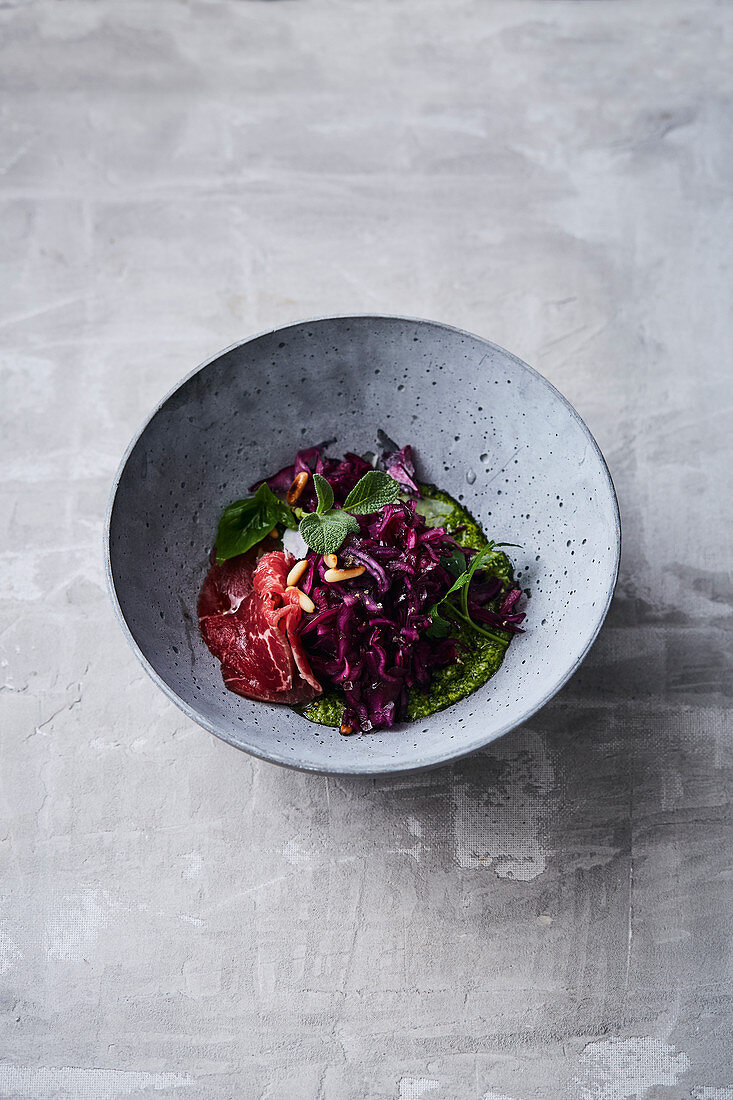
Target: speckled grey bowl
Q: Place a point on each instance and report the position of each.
(484, 426)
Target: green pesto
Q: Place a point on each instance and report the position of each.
(454, 516)
(326, 710)
(476, 664)
(479, 658)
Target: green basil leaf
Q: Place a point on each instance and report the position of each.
(275, 509)
(246, 522)
(240, 528)
(287, 519)
(375, 490)
(324, 492)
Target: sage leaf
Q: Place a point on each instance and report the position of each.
(324, 492)
(325, 531)
(373, 491)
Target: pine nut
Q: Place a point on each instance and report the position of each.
(346, 729)
(296, 573)
(274, 533)
(333, 576)
(299, 483)
(330, 561)
(306, 603)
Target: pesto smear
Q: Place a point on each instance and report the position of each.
(480, 657)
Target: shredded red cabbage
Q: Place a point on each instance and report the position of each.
(342, 475)
(369, 636)
(401, 466)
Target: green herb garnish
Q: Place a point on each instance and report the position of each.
(373, 491)
(445, 609)
(325, 529)
(246, 522)
(324, 493)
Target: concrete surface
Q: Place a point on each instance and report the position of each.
(551, 918)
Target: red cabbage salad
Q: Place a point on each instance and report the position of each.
(348, 588)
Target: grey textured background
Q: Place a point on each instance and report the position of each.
(551, 918)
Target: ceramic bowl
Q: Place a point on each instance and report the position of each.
(484, 426)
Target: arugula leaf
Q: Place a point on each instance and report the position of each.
(373, 491)
(482, 560)
(454, 613)
(439, 627)
(246, 522)
(478, 561)
(324, 492)
(455, 562)
(325, 531)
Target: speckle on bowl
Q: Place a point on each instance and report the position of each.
(484, 426)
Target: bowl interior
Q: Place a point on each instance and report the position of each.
(484, 426)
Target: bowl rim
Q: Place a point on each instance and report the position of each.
(364, 768)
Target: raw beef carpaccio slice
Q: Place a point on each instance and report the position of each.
(226, 585)
(249, 622)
